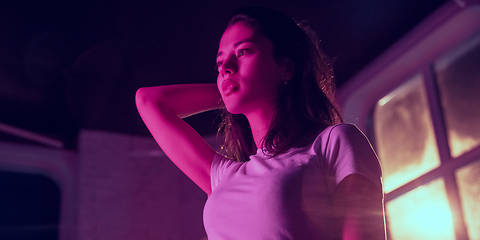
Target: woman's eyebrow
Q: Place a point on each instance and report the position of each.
(251, 40)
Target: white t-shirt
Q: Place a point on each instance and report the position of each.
(287, 196)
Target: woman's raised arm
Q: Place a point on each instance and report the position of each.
(162, 109)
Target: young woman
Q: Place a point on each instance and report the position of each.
(289, 169)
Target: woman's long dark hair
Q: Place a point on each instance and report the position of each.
(305, 106)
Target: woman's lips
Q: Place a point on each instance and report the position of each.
(229, 86)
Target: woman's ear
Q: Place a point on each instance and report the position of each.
(289, 67)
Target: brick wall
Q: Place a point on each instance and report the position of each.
(128, 189)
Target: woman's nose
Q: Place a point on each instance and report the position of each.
(229, 66)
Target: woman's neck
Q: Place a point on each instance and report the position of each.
(259, 123)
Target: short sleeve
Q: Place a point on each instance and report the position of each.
(219, 164)
(348, 151)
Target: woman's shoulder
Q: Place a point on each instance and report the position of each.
(340, 130)
(344, 133)
(346, 150)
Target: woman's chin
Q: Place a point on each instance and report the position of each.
(233, 108)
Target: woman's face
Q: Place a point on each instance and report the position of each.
(249, 77)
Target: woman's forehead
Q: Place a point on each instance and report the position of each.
(239, 33)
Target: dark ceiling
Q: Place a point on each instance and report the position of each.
(71, 65)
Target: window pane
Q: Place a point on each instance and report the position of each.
(422, 213)
(29, 206)
(404, 135)
(468, 179)
(458, 76)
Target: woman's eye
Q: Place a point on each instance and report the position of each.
(219, 64)
(242, 52)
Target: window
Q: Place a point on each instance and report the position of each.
(458, 79)
(38, 192)
(468, 178)
(422, 213)
(406, 142)
(404, 134)
(29, 206)
(419, 104)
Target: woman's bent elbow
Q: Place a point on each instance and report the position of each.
(143, 96)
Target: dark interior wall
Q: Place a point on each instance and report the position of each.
(66, 65)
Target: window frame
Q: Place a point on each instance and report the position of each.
(453, 23)
(59, 165)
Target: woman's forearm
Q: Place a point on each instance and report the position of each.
(162, 108)
(185, 100)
